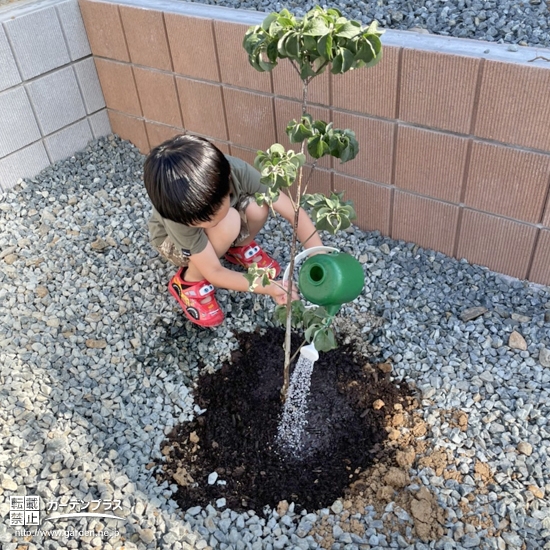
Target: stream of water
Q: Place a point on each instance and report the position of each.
(293, 420)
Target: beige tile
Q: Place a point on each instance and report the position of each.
(192, 46)
(233, 59)
(158, 96)
(502, 245)
(287, 82)
(430, 163)
(515, 113)
(372, 202)
(159, 133)
(146, 37)
(130, 128)
(104, 29)
(375, 158)
(507, 181)
(250, 119)
(540, 270)
(429, 223)
(286, 111)
(202, 107)
(370, 91)
(118, 85)
(438, 90)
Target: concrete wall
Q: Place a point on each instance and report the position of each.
(455, 147)
(51, 102)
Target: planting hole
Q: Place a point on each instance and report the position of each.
(237, 435)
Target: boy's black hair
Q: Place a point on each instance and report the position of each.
(187, 179)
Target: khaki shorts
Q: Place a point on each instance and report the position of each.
(170, 252)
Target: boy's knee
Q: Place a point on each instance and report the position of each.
(228, 228)
(256, 212)
(235, 223)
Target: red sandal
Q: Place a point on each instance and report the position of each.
(197, 300)
(250, 254)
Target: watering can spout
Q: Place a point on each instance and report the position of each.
(309, 352)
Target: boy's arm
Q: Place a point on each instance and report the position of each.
(213, 271)
(307, 234)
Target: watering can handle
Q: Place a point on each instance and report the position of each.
(304, 254)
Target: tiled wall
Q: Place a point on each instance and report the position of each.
(454, 134)
(51, 102)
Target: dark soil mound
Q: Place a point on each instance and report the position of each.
(236, 435)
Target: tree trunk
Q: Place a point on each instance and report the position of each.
(288, 326)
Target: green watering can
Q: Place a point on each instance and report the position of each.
(331, 279)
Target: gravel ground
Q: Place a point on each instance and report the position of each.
(524, 22)
(97, 364)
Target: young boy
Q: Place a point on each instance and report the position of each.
(204, 208)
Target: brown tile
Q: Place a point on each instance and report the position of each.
(250, 119)
(375, 157)
(438, 90)
(158, 96)
(430, 163)
(314, 181)
(221, 145)
(320, 180)
(431, 224)
(248, 155)
(118, 85)
(202, 107)
(540, 270)
(285, 111)
(514, 113)
(233, 59)
(130, 128)
(371, 202)
(502, 245)
(546, 217)
(104, 29)
(354, 90)
(146, 37)
(192, 38)
(507, 181)
(287, 82)
(159, 133)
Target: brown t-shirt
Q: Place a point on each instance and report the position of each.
(245, 180)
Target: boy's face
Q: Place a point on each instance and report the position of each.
(218, 216)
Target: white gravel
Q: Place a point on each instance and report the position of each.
(521, 22)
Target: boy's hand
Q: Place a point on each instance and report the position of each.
(279, 290)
